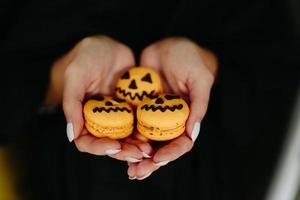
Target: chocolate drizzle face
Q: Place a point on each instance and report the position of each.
(136, 95)
(162, 108)
(108, 110)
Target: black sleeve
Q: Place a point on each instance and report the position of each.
(23, 85)
(257, 44)
(41, 32)
(258, 47)
(27, 50)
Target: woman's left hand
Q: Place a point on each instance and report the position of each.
(188, 70)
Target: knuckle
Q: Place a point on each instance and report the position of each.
(68, 72)
(89, 40)
(72, 69)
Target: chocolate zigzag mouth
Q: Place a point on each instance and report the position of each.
(102, 109)
(162, 109)
(136, 95)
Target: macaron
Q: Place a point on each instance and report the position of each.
(108, 117)
(138, 84)
(162, 118)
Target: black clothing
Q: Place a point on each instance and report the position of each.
(257, 44)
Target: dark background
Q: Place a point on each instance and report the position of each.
(257, 43)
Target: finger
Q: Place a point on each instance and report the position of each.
(138, 136)
(73, 95)
(150, 57)
(84, 131)
(123, 62)
(165, 84)
(172, 82)
(173, 150)
(199, 92)
(131, 171)
(144, 147)
(97, 146)
(145, 169)
(142, 170)
(129, 153)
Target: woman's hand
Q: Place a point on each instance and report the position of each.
(187, 70)
(91, 68)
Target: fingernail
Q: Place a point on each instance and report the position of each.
(195, 131)
(162, 163)
(112, 151)
(146, 155)
(132, 178)
(70, 132)
(144, 177)
(132, 160)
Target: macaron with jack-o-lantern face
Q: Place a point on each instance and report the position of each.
(162, 118)
(138, 84)
(108, 117)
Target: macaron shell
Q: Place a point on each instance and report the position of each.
(108, 118)
(161, 118)
(105, 119)
(160, 135)
(107, 132)
(147, 83)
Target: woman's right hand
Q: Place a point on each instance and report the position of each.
(92, 68)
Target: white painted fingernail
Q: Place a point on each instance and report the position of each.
(144, 177)
(112, 151)
(132, 178)
(162, 163)
(195, 131)
(70, 131)
(146, 155)
(132, 160)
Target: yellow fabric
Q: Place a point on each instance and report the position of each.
(7, 190)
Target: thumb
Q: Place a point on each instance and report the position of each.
(150, 57)
(73, 96)
(199, 92)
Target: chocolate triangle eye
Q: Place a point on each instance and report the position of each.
(147, 78)
(126, 75)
